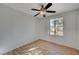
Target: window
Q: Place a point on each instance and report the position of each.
(56, 26)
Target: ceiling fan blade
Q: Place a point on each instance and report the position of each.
(35, 9)
(51, 11)
(48, 5)
(36, 14)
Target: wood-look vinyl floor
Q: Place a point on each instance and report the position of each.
(52, 48)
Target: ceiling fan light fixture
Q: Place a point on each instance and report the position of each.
(41, 12)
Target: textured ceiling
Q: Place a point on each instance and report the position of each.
(58, 7)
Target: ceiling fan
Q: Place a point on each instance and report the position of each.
(43, 9)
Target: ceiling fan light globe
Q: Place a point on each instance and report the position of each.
(41, 12)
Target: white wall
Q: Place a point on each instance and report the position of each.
(70, 29)
(78, 30)
(16, 28)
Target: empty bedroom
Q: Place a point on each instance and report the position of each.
(39, 28)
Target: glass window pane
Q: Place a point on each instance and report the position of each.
(56, 26)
